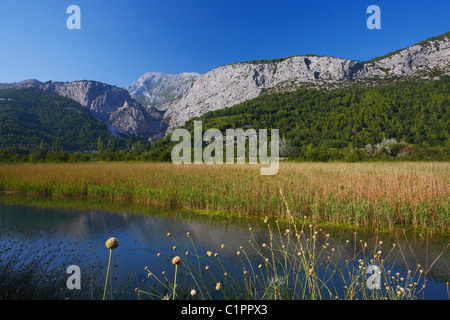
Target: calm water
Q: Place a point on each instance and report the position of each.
(38, 243)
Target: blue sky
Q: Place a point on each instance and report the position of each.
(121, 40)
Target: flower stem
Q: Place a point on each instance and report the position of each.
(175, 282)
(107, 273)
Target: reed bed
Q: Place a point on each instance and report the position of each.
(380, 195)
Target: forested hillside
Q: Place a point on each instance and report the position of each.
(409, 118)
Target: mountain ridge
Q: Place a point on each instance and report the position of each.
(168, 101)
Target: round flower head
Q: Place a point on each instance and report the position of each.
(112, 243)
(176, 260)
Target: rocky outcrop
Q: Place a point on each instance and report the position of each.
(113, 106)
(156, 88)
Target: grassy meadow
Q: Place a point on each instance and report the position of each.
(379, 194)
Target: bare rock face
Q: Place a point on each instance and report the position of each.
(156, 88)
(111, 105)
(414, 60)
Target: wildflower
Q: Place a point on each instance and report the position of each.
(260, 266)
(311, 271)
(209, 253)
(168, 234)
(158, 254)
(187, 253)
(188, 234)
(174, 248)
(222, 246)
(238, 253)
(193, 292)
(207, 268)
(218, 286)
(250, 229)
(176, 260)
(112, 243)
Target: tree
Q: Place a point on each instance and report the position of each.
(56, 146)
(100, 145)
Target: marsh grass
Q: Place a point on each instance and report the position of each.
(377, 195)
(32, 268)
(301, 262)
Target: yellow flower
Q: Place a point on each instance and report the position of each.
(112, 243)
(218, 286)
(209, 253)
(176, 260)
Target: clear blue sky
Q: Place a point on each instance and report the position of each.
(121, 40)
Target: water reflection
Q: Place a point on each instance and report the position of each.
(80, 229)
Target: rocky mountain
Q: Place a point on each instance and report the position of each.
(157, 103)
(113, 106)
(156, 88)
(232, 84)
(31, 118)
